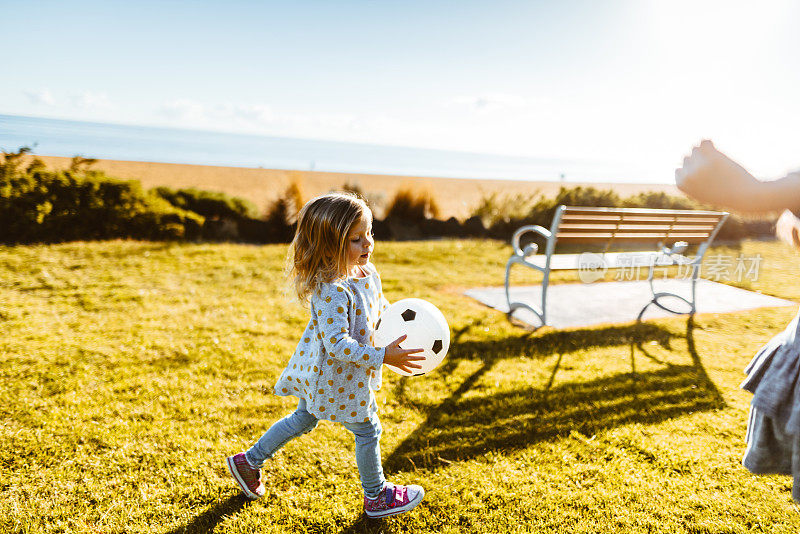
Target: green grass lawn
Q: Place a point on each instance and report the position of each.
(129, 370)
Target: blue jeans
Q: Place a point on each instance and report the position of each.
(368, 447)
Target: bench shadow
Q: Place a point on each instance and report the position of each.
(466, 426)
(536, 344)
(210, 518)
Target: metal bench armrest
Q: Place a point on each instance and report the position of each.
(544, 232)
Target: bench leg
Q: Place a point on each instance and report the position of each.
(663, 294)
(513, 306)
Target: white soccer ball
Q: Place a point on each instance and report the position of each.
(425, 327)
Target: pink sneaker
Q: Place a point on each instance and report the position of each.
(248, 478)
(393, 500)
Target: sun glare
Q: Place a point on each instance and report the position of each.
(726, 65)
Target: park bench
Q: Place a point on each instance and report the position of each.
(666, 233)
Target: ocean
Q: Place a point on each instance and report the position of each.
(56, 137)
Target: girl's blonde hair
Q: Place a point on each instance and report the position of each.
(319, 249)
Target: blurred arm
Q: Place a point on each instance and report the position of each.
(710, 176)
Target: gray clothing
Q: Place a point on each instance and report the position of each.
(773, 431)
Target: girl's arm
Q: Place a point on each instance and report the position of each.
(332, 308)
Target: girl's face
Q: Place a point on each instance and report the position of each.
(359, 244)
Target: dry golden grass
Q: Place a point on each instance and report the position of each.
(456, 197)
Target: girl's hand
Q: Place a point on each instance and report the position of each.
(402, 358)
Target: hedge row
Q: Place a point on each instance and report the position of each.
(405, 226)
(40, 205)
(541, 211)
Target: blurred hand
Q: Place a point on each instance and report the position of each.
(788, 229)
(710, 176)
(402, 358)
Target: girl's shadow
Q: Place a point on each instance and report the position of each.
(367, 525)
(208, 520)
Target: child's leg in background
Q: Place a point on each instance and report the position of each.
(368, 455)
(296, 424)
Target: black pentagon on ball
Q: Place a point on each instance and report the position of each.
(408, 315)
(437, 346)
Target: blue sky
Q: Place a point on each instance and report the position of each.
(634, 82)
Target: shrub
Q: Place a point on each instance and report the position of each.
(496, 207)
(47, 206)
(375, 200)
(412, 205)
(355, 188)
(282, 214)
(209, 204)
(287, 206)
(79, 163)
(659, 200)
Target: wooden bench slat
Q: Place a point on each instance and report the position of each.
(599, 236)
(591, 241)
(636, 227)
(624, 234)
(591, 219)
(641, 211)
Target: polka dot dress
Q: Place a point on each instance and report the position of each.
(335, 367)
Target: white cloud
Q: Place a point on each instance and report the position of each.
(257, 113)
(257, 118)
(490, 102)
(89, 100)
(330, 123)
(43, 97)
(197, 112)
(183, 109)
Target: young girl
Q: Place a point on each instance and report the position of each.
(335, 368)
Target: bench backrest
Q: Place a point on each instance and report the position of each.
(592, 225)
